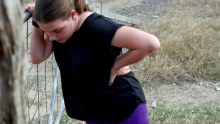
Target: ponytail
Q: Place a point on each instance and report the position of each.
(81, 6)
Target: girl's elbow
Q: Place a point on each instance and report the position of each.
(35, 61)
(154, 44)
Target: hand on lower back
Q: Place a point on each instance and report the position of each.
(114, 72)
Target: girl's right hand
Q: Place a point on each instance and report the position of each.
(30, 8)
(114, 72)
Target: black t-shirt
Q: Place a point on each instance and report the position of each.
(85, 61)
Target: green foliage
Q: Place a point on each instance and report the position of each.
(67, 120)
(208, 113)
(187, 114)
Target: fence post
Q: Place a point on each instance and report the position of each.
(54, 95)
(12, 93)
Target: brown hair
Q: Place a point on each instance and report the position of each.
(50, 10)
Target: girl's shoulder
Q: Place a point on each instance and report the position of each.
(100, 22)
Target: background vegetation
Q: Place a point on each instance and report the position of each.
(189, 32)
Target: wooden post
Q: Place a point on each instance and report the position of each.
(12, 52)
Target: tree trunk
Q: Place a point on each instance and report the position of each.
(12, 52)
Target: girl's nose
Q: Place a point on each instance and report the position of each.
(52, 36)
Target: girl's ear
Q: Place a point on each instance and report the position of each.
(73, 14)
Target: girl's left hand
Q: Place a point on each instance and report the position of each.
(114, 72)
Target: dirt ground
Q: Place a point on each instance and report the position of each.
(171, 94)
(176, 95)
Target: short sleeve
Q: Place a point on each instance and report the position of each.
(105, 28)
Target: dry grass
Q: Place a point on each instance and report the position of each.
(28, 1)
(189, 32)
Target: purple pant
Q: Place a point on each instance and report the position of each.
(139, 116)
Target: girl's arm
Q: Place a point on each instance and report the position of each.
(40, 46)
(138, 43)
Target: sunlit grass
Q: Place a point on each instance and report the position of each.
(190, 44)
(67, 120)
(208, 113)
(186, 114)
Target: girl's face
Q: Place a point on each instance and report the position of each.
(59, 30)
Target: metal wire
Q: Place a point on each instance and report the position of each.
(35, 112)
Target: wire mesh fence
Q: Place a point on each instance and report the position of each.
(42, 86)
